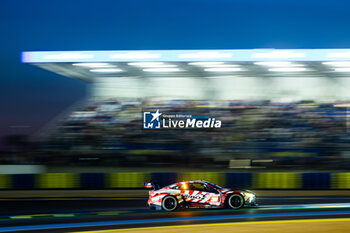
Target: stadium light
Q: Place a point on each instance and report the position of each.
(162, 70)
(135, 55)
(344, 105)
(106, 70)
(206, 63)
(212, 64)
(288, 69)
(93, 65)
(339, 54)
(68, 56)
(342, 69)
(277, 64)
(222, 69)
(210, 55)
(279, 54)
(151, 64)
(223, 65)
(337, 63)
(145, 63)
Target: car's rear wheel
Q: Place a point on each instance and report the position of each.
(169, 203)
(235, 201)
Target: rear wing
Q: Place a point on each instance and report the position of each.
(151, 185)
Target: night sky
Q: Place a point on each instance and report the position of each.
(33, 97)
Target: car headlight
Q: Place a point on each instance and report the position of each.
(250, 196)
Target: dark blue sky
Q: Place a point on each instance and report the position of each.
(31, 96)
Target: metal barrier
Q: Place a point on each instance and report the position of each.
(5, 182)
(319, 180)
(277, 180)
(340, 180)
(57, 180)
(126, 180)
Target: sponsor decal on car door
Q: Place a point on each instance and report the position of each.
(202, 197)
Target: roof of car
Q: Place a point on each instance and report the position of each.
(199, 181)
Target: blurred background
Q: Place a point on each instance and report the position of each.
(72, 146)
(272, 121)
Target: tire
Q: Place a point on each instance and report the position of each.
(169, 203)
(235, 201)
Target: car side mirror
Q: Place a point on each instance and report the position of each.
(149, 185)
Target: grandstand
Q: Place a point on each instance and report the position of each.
(285, 105)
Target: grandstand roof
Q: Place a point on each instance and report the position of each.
(89, 65)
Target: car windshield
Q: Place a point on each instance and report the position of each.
(214, 185)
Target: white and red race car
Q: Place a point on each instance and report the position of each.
(197, 194)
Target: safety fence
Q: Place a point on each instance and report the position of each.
(134, 180)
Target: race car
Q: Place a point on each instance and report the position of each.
(197, 194)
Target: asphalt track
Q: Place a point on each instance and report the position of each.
(89, 214)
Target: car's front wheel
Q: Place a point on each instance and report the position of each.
(235, 201)
(169, 203)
